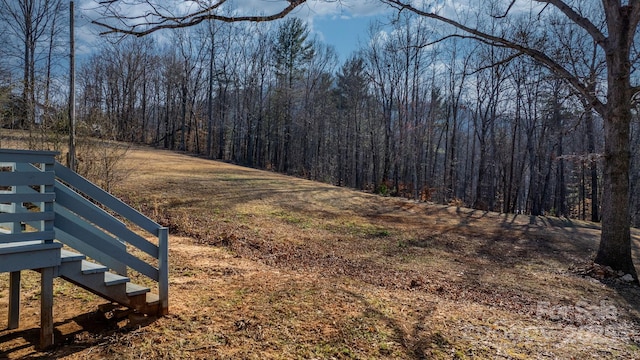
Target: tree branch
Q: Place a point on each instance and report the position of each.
(504, 61)
(635, 93)
(506, 11)
(173, 22)
(579, 20)
(537, 55)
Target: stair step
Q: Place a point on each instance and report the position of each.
(135, 290)
(69, 256)
(92, 268)
(111, 279)
(99, 280)
(153, 299)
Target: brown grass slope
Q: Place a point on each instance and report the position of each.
(269, 266)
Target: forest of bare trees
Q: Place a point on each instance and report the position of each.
(410, 114)
(436, 123)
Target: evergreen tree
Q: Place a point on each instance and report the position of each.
(291, 51)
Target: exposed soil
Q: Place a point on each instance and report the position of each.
(269, 266)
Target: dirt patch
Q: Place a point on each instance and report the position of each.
(268, 266)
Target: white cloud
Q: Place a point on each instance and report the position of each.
(88, 38)
(344, 9)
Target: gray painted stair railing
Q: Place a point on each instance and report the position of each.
(43, 206)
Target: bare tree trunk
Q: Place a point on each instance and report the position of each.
(560, 188)
(593, 167)
(210, 130)
(615, 245)
(52, 33)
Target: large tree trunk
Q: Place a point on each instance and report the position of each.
(615, 244)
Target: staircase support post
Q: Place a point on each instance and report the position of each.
(14, 300)
(46, 307)
(163, 270)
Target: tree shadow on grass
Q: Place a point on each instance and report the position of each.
(92, 329)
(418, 341)
(508, 240)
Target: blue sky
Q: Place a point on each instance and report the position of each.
(343, 24)
(345, 35)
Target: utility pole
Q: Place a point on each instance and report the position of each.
(212, 55)
(71, 156)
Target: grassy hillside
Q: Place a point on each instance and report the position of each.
(268, 266)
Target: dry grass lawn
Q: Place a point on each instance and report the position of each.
(269, 266)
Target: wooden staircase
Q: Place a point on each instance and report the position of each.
(45, 206)
(99, 280)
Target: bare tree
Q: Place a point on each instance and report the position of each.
(614, 37)
(31, 28)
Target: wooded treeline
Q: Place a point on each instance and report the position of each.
(409, 114)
